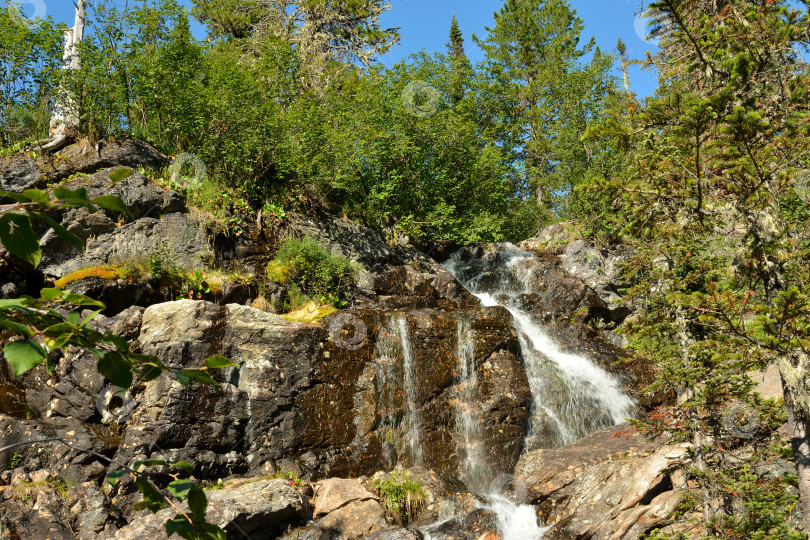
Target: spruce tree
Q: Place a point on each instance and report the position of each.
(714, 206)
(455, 47)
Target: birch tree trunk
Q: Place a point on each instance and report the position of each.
(65, 118)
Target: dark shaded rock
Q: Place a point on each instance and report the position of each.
(470, 526)
(18, 173)
(43, 516)
(395, 534)
(90, 509)
(345, 238)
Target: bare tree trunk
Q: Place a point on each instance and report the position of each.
(65, 118)
(796, 398)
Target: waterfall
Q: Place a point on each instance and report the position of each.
(515, 521)
(572, 396)
(394, 342)
(470, 439)
(412, 418)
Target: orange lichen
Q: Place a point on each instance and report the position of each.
(101, 272)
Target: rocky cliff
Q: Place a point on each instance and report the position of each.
(334, 402)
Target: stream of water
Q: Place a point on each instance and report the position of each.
(572, 395)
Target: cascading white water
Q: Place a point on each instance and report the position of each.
(593, 397)
(572, 396)
(412, 418)
(470, 439)
(394, 342)
(515, 521)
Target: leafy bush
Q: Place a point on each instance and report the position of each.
(316, 272)
(400, 496)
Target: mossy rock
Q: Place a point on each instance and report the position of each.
(100, 272)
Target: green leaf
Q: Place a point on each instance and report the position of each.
(19, 238)
(181, 526)
(112, 203)
(118, 370)
(74, 318)
(19, 197)
(185, 465)
(51, 294)
(81, 300)
(58, 329)
(24, 355)
(115, 476)
(150, 494)
(150, 372)
(197, 503)
(180, 489)
(118, 175)
(62, 232)
(150, 505)
(37, 196)
(72, 196)
(93, 316)
(147, 463)
(182, 377)
(202, 376)
(16, 327)
(213, 362)
(118, 341)
(209, 531)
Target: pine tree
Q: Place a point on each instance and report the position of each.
(723, 250)
(547, 97)
(455, 47)
(328, 36)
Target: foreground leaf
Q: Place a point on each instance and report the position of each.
(19, 238)
(24, 355)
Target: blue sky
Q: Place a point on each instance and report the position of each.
(424, 24)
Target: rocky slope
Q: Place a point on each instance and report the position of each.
(333, 402)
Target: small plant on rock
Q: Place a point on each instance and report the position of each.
(400, 496)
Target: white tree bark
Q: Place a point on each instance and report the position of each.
(65, 117)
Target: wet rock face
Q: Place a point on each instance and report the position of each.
(549, 291)
(611, 484)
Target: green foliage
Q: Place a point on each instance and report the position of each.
(30, 57)
(191, 524)
(319, 274)
(400, 496)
